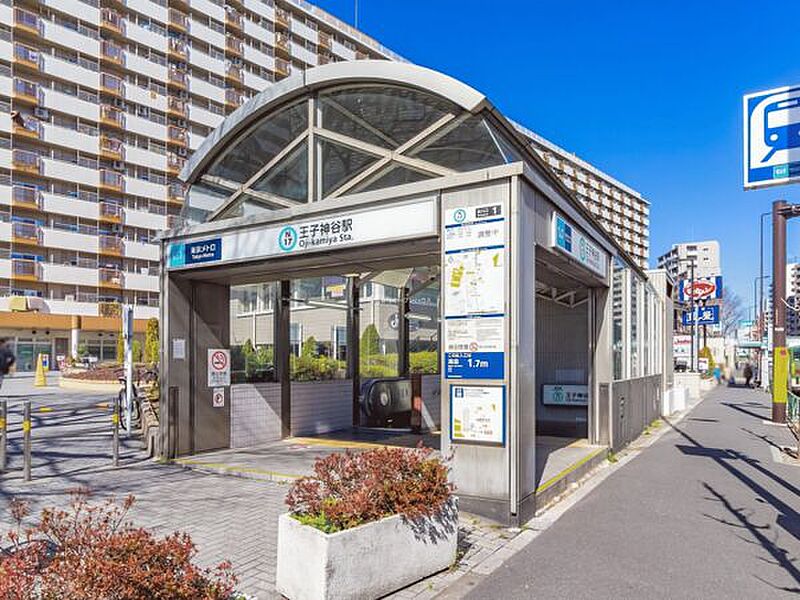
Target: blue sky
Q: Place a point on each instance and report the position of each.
(649, 92)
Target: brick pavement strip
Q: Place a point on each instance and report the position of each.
(229, 518)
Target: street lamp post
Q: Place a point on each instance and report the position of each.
(691, 260)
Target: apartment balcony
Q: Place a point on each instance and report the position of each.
(178, 20)
(111, 21)
(27, 127)
(111, 116)
(110, 212)
(177, 107)
(26, 197)
(24, 269)
(323, 40)
(175, 163)
(178, 49)
(283, 44)
(25, 233)
(110, 278)
(27, 21)
(233, 19)
(233, 45)
(175, 193)
(233, 73)
(282, 67)
(283, 18)
(111, 181)
(26, 56)
(111, 84)
(361, 55)
(111, 53)
(112, 148)
(110, 245)
(178, 78)
(26, 162)
(109, 309)
(233, 98)
(173, 221)
(324, 59)
(26, 91)
(177, 136)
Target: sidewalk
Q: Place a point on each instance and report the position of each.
(706, 512)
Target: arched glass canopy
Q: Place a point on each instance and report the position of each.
(343, 140)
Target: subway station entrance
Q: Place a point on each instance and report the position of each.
(374, 255)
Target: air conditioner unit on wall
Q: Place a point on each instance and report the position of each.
(182, 152)
(119, 103)
(118, 165)
(41, 113)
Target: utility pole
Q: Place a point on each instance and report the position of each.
(781, 212)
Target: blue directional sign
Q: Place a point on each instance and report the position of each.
(474, 365)
(772, 137)
(706, 315)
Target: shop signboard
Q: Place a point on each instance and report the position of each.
(340, 230)
(477, 414)
(219, 367)
(771, 144)
(474, 279)
(704, 315)
(568, 240)
(702, 288)
(681, 345)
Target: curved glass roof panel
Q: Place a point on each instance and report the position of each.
(261, 144)
(341, 163)
(386, 116)
(470, 144)
(288, 178)
(393, 175)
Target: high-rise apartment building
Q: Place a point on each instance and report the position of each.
(101, 103)
(705, 256)
(623, 212)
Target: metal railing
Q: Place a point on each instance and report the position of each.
(25, 231)
(110, 114)
(110, 243)
(26, 19)
(112, 84)
(24, 267)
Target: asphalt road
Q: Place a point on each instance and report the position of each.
(704, 513)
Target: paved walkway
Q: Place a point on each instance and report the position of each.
(704, 513)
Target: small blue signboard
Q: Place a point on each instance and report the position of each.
(706, 315)
(772, 137)
(192, 253)
(474, 365)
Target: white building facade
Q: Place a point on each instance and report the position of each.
(705, 256)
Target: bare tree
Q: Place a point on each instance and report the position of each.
(731, 311)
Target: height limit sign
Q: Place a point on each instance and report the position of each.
(219, 367)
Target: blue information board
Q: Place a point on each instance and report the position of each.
(192, 253)
(474, 365)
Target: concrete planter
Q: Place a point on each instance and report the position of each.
(365, 562)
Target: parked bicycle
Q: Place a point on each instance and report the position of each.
(147, 376)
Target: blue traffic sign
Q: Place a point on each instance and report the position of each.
(772, 137)
(705, 315)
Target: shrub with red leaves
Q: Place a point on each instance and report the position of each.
(352, 488)
(91, 552)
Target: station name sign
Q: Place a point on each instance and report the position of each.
(570, 241)
(352, 228)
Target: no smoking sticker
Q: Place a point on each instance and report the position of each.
(219, 367)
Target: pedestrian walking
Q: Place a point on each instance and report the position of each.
(748, 374)
(7, 360)
(717, 374)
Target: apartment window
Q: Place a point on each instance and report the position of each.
(216, 26)
(65, 121)
(65, 155)
(215, 53)
(88, 96)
